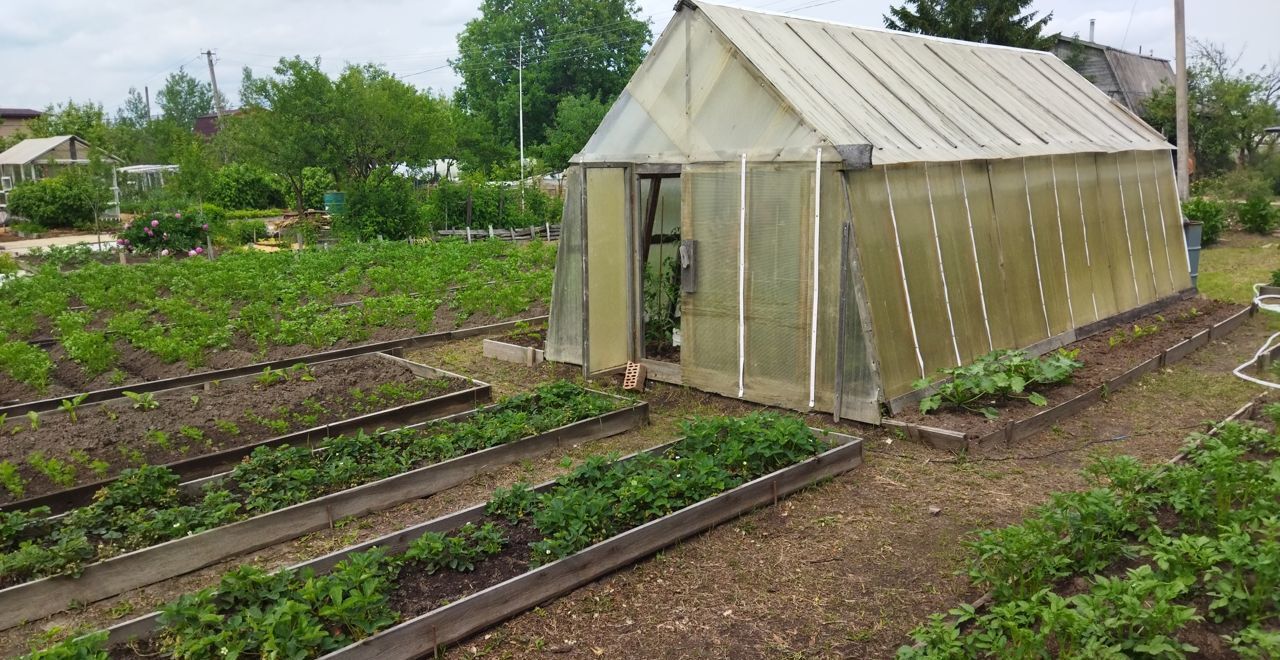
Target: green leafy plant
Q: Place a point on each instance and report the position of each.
(57, 471)
(12, 482)
(997, 376)
(72, 404)
(1211, 214)
(33, 419)
(143, 401)
(1257, 215)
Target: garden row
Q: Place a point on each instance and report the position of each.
(1008, 395)
(111, 325)
(408, 593)
(1149, 561)
(203, 427)
(149, 524)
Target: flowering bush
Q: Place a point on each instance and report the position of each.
(164, 234)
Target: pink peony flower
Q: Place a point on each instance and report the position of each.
(149, 232)
(120, 241)
(199, 250)
(205, 227)
(191, 253)
(155, 223)
(164, 253)
(177, 215)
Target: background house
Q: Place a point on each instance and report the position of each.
(846, 210)
(1129, 78)
(13, 120)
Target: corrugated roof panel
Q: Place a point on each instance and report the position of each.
(921, 98)
(31, 149)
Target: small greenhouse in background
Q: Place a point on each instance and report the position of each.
(813, 215)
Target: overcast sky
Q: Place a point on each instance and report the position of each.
(52, 50)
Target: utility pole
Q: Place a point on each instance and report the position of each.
(520, 75)
(146, 92)
(213, 80)
(1180, 99)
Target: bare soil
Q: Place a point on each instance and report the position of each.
(531, 339)
(219, 416)
(1105, 355)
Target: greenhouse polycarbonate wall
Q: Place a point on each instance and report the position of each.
(564, 331)
(774, 272)
(961, 258)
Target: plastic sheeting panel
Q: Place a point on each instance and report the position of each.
(1113, 232)
(607, 292)
(976, 181)
(1136, 224)
(1172, 210)
(1107, 271)
(778, 283)
(965, 290)
(709, 316)
(564, 331)
(1157, 231)
(1045, 222)
(881, 273)
(860, 386)
(1022, 282)
(1080, 270)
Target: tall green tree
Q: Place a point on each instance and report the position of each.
(577, 117)
(289, 122)
(183, 98)
(134, 113)
(381, 122)
(570, 47)
(1001, 22)
(1229, 109)
(87, 120)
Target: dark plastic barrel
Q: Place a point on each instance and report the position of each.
(1193, 232)
(335, 203)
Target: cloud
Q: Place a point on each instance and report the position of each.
(59, 49)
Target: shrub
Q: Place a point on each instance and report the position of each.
(166, 199)
(65, 200)
(164, 234)
(1257, 215)
(235, 233)
(1236, 184)
(1275, 278)
(492, 204)
(387, 208)
(238, 186)
(1212, 214)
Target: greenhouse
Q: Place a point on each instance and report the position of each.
(814, 215)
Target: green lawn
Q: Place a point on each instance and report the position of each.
(1229, 269)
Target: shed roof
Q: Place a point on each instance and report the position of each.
(913, 98)
(19, 113)
(34, 149)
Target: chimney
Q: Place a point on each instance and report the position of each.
(1092, 21)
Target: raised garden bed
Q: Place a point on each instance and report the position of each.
(1165, 561)
(280, 494)
(417, 593)
(1112, 359)
(60, 459)
(199, 377)
(524, 345)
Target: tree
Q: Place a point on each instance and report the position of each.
(577, 117)
(183, 98)
(134, 113)
(288, 124)
(570, 47)
(1229, 109)
(86, 120)
(382, 122)
(1001, 22)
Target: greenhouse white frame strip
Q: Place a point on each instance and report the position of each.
(813, 316)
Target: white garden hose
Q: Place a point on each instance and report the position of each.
(1269, 303)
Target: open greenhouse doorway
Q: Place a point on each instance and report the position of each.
(659, 259)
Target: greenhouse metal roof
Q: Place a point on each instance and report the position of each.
(916, 98)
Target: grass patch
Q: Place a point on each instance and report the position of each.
(1228, 272)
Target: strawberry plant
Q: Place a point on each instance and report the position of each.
(998, 376)
(460, 551)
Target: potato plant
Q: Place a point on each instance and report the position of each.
(1209, 555)
(182, 310)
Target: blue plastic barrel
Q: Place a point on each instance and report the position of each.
(1193, 231)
